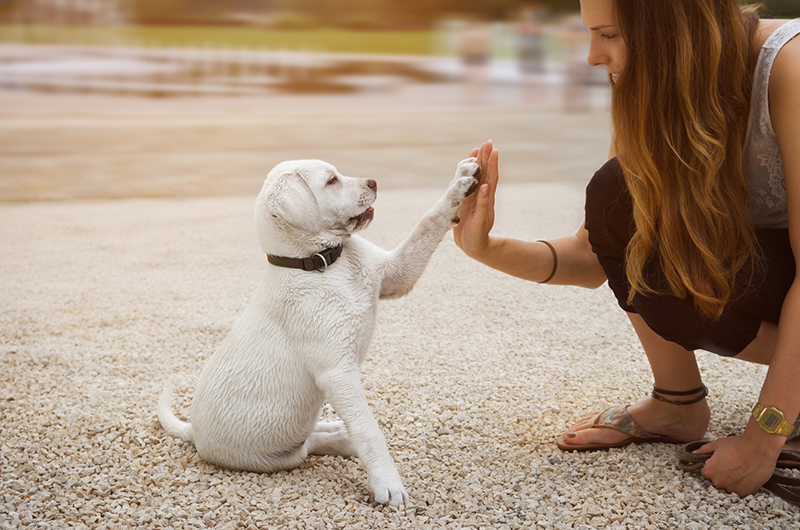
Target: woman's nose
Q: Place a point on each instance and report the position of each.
(596, 56)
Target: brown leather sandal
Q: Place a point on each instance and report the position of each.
(618, 419)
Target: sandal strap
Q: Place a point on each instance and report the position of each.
(618, 419)
(703, 390)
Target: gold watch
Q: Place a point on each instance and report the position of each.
(772, 420)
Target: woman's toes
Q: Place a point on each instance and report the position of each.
(585, 422)
(594, 436)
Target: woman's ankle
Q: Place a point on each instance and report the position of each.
(688, 422)
(680, 397)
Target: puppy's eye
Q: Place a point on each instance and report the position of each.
(333, 180)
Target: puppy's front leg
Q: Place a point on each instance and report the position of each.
(403, 266)
(344, 391)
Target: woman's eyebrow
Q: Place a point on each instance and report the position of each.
(596, 28)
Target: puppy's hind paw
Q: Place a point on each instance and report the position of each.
(330, 426)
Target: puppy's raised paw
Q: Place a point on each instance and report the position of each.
(468, 167)
(466, 177)
(461, 188)
(472, 188)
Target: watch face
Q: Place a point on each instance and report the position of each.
(771, 420)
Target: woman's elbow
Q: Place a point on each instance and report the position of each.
(591, 277)
(594, 283)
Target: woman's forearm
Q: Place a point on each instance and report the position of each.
(533, 260)
(780, 388)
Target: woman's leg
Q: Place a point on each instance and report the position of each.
(761, 349)
(744, 332)
(674, 369)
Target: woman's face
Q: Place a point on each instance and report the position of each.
(607, 47)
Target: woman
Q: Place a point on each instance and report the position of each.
(694, 221)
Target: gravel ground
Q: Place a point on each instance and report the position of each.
(472, 377)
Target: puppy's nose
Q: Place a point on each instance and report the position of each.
(371, 184)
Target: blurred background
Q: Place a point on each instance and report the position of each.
(132, 98)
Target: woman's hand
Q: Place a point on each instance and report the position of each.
(741, 464)
(477, 212)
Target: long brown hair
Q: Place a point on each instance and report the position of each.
(680, 111)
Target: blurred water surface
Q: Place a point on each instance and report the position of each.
(114, 117)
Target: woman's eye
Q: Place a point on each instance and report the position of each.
(607, 36)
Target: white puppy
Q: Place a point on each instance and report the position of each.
(299, 344)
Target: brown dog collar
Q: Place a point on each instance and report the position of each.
(319, 261)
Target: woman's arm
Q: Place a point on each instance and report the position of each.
(781, 388)
(577, 264)
(533, 260)
(742, 464)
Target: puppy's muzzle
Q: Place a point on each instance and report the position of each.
(364, 218)
(369, 213)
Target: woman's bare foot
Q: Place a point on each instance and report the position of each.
(679, 422)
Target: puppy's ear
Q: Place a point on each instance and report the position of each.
(293, 201)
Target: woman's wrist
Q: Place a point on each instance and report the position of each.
(529, 260)
(771, 444)
(481, 253)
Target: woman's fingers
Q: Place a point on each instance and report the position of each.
(489, 169)
(477, 211)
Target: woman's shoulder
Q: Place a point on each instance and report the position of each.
(786, 69)
(784, 103)
(765, 28)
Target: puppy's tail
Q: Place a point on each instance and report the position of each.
(170, 423)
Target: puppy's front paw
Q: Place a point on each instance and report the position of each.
(465, 182)
(463, 185)
(468, 167)
(390, 492)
